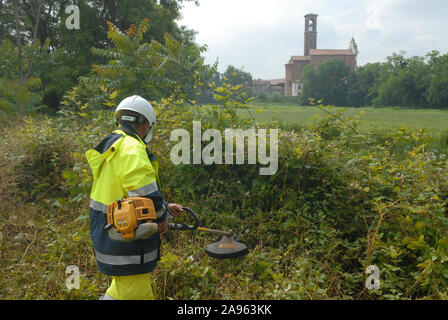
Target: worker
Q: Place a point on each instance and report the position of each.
(122, 166)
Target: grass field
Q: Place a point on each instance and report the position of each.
(435, 121)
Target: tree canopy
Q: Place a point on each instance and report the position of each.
(418, 82)
(36, 43)
(152, 70)
(330, 82)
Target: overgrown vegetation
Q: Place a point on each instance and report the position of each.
(341, 200)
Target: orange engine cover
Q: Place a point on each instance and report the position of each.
(125, 215)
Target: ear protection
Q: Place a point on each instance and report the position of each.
(132, 119)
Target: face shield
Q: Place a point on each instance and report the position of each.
(148, 136)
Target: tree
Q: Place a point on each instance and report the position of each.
(94, 15)
(404, 82)
(69, 55)
(152, 70)
(368, 82)
(231, 76)
(437, 93)
(17, 86)
(236, 76)
(330, 82)
(310, 83)
(355, 97)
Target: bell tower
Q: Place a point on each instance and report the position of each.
(310, 33)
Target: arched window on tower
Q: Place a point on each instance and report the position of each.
(310, 25)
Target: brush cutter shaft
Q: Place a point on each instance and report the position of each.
(183, 226)
(218, 232)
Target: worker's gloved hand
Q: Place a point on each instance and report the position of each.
(175, 209)
(163, 227)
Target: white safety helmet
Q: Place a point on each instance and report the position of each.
(141, 106)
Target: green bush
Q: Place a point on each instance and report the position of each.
(345, 199)
(45, 152)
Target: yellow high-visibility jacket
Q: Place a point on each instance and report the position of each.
(123, 167)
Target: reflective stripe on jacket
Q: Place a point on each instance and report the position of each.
(121, 167)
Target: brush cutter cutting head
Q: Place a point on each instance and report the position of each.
(227, 248)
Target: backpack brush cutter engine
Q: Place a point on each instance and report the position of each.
(135, 218)
(131, 219)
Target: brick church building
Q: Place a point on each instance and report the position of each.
(312, 55)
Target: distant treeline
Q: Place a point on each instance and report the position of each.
(416, 82)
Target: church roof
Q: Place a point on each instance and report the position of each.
(276, 82)
(260, 82)
(300, 58)
(273, 82)
(330, 52)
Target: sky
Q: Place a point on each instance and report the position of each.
(260, 36)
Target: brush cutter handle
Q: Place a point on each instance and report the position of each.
(183, 225)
